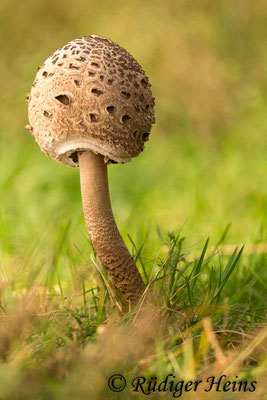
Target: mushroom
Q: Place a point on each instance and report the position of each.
(91, 105)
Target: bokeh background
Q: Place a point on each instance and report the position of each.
(205, 164)
(203, 169)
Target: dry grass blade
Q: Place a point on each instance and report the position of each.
(213, 341)
(184, 285)
(109, 286)
(260, 338)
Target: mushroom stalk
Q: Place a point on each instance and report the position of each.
(102, 227)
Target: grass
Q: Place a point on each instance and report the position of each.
(63, 332)
(201, 312)
(64, 329)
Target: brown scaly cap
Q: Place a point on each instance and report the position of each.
(91, 94)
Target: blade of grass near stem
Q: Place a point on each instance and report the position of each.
(138, 257)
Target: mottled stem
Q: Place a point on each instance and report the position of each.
(103, 230)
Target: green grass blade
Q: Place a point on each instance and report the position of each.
(196, 270)
(228, 271)
(224, 234)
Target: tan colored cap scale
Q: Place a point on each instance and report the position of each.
(91, 95)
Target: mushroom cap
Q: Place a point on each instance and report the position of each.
(91, 94)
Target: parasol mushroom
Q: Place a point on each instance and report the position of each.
(91, 105)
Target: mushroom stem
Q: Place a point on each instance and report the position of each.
(102, 227)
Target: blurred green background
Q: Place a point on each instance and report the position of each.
(203, 169)
(205, 164)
